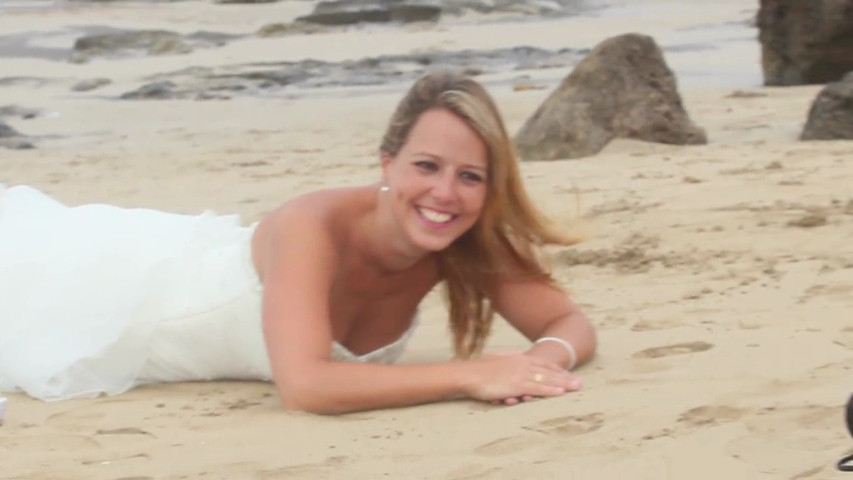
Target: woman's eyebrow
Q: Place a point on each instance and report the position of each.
(441, 159)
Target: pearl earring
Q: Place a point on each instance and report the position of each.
(384, 188)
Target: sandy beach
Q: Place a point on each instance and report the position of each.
(720, 277)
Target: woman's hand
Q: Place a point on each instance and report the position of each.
(545, 352)
(510, 377)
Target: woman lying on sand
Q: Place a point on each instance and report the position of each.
(320, 296)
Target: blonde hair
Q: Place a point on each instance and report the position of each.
(503, 242)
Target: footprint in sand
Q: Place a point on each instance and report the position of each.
(57, 442)
(308, 470)
(659, 324)
(612, 321)
(124, 431)
(809, 473)
(845, 339)
(831, 292)
(77, 419)
(99, 460)
(707, 415)
(241, 404)
(571, 425)
(675, 349)
(472, 472)
(506, 445)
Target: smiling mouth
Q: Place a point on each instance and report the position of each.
(433, 216)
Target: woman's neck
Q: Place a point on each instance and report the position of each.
(384, 242)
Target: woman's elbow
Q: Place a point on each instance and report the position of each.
(590, 346)
(305, 395)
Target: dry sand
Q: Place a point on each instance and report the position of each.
(724, 320)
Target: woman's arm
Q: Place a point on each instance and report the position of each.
(539, 310)
(338, 387)
(297, 278)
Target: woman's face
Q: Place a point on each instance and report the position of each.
(438, 180)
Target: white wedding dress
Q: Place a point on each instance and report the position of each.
(97, 299)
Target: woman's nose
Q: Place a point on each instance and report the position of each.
(444, 188)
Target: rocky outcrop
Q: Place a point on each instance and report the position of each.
(293, 28)
(831, 113)
(522, 7)
(142, 42)
(805, 42)
(623, 88)
(90, 84)
(25, 113)
(260, 79)
(11, 138)
(345, 12)
(8, 132)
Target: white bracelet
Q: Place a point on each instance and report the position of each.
(573, 355)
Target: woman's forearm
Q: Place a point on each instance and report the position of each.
(338, 387)
(575, 329)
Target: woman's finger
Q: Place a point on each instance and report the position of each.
(546, 364)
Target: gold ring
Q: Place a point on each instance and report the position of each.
(538, 378)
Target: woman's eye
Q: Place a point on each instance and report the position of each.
(471, 177)
(426, 166)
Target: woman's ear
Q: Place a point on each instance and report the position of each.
(385, 160)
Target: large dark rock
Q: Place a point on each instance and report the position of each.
(831, 113)
(805, 42)
(623, 88)
(345, 12)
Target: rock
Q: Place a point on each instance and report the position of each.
(831, 113)
(624, 89)
(346, 12)
(409, 11)
(522, 83)
(90, 84)
(153, 91)
(11, 138)
(295, 28)
(805, 42)
(112, 44)
(8, 132)
(143, 42)
(523, 7)
(245, 1)
(166, 46)
(16, 143)
(21, 112)
(260, 78)
(809, 220)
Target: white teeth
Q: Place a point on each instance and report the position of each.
(434, 216)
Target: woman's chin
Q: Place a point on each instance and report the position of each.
(430, 243)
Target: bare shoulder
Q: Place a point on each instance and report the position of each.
(317, 221)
